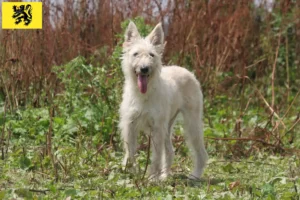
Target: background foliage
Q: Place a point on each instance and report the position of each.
(60, 90)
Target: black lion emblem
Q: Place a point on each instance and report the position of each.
(22, 12)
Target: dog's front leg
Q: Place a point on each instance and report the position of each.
(129, 134)
(157, 148)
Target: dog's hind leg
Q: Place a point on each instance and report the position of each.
(193, 127)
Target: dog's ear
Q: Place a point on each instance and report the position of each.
(131, 34)
(156, 37)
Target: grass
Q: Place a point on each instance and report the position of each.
(92, 174)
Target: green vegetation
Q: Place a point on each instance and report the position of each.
(69, 145)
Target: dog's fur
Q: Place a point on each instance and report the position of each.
(153, 98)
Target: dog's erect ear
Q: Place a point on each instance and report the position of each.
(131, 34)
(156, 37)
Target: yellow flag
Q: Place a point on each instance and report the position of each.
(22, 15)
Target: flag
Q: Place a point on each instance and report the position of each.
(22, 15)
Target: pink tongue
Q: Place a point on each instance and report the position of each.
(142, 83)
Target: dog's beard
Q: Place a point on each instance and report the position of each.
(142, 83)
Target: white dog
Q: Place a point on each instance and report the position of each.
(152, 98)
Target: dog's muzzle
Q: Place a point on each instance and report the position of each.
(145, 70)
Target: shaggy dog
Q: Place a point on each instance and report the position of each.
(153, 96)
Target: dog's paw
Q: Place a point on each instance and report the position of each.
(196, 174)
(156, 177)
(153, 178)
(163, 176)
(193, 177)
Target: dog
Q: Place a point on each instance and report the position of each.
(153, 95)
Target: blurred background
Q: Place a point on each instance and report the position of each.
(214, 38)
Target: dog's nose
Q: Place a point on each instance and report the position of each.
(145, 69)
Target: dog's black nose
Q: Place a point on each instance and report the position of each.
(145, 70)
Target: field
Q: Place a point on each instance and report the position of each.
(60, 94)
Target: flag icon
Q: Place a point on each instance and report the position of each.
(22, 15)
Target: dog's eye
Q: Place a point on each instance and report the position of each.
(151, 54)
(135, 54)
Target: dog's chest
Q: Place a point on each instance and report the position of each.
(145, 122)
(148, 114)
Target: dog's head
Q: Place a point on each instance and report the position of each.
(142, 56)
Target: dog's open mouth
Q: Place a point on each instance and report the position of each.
(142, 82)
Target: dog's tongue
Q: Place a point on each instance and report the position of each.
(142, 83)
